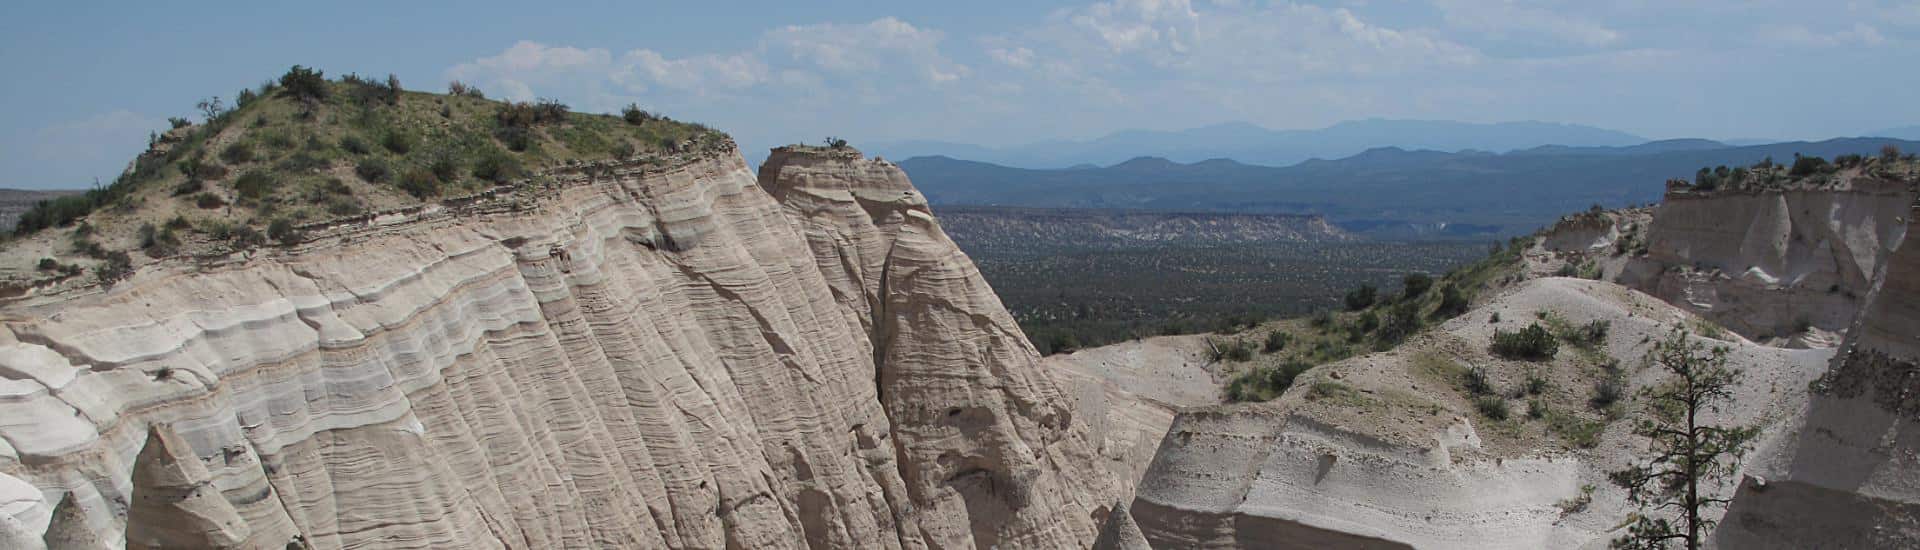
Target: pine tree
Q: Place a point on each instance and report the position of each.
(1689, 458)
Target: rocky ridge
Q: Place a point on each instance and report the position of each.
(682, 357)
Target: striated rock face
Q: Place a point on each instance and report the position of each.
(640, 358)
(1854, 480)
(1770, 264)
(987, 443)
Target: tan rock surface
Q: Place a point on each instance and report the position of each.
(638, 357)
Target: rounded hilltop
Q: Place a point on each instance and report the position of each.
(303, 149)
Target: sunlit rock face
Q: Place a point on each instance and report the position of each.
(628, 356)
(1791, 266)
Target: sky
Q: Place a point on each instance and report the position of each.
(87, 81)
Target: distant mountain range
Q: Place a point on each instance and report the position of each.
(1256, 145)
(1381, 192)
(1903, 132)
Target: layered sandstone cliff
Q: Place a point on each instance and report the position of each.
(637, 357)
(1789, 264)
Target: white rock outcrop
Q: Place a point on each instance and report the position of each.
(642, 357)
(1773, 263)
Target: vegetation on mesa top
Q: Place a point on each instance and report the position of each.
(304, 147)
(1805, 169)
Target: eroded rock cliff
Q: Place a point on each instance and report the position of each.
(1854, 474)
(1789, 265)
(636, 356)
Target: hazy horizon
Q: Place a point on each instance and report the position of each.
(88, 88)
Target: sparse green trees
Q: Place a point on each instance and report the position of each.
(1690, 458)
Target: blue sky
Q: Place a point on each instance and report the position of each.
(88, 81)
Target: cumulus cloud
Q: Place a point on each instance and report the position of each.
(802, 55)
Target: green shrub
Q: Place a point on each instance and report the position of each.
(634, 115)
(208, 201)
(188, 187)
(55, 212)
(1453, 303)
(1808, 165)
(246, 237)
(373, 170)
(355, 145)
(1607, 391)
(461, 89)
(1415, 285)
(444, 168)
(1402, 321)
(1531, 343)
(1362, 297)
(1577, 431)
(344, 206)
(516, 138)
(303, 83)
(158, 242)
(1276, 341)
(398, 142)
(198, 167)
(1474, 379)
(1491, 406)
(1536, 409)
(1265, 383)
(333, 186)
(253, 185)
(301, 162)
(1322, 319)
(1535, 383)
(420, 183)
(48, 264)
(1588, 336)
(497, 167)
(118, 266)
(283, 231)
